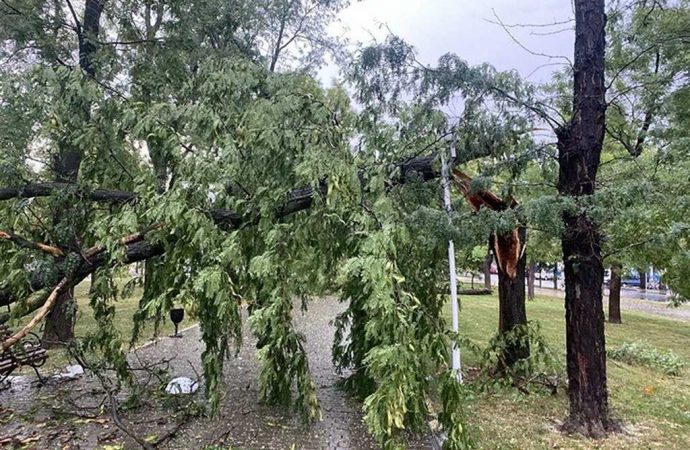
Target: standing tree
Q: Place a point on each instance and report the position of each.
(579, 149)
(645, 52)
(615, 293)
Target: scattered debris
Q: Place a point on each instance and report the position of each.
(72, 372)
(181, 385)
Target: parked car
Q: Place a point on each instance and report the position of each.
(630, 282)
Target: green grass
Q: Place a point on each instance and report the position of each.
(654, 408)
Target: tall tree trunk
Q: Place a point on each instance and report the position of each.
(579, 147)
(555, 276)
(511, 293)
(615, 294)
(59, 326)
(530, 280)
(487, 270)
(643, 279)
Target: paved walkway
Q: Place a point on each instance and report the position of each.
(241, 423)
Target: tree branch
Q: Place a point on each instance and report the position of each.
(42, 312)
(47, 189)
(138, 249)
(25, 243)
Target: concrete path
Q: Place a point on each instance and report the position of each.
(37, 416)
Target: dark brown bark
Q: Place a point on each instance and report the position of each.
(88, 35)
(579, 146)
(555, 276)
(46, 189)
(488, 259)
(59, 324)
(511, 297)
(615, 294)
(531, 275)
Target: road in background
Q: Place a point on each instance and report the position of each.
(547, 289)
(632, 299)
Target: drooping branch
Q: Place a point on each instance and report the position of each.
(298, 199)
(138, 249)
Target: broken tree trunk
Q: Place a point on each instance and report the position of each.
(511, 293)
(509, 250)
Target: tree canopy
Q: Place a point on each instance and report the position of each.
(195, 136)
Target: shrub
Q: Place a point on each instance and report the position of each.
(643, 354)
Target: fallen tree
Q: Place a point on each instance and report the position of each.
(137, 248)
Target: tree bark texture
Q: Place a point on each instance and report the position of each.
(579, 146)
(511, 294)
(615, 294)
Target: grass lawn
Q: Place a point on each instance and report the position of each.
(654, 408)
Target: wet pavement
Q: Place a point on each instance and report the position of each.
(242, 422)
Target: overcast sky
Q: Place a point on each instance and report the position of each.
(463, 27)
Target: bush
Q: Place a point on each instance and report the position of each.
(643, 354)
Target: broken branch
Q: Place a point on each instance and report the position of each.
(40, 315)
(25, 243)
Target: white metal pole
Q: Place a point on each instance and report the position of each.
(451, 265)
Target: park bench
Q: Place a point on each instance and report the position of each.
(27, 352)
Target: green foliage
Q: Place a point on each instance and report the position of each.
(641, 353)
(105, 340)
(541, 365)
(210, 105)
(391, 336)
(453, 416)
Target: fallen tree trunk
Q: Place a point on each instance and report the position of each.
(138, 249)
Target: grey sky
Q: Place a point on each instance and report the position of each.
(436, 27)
